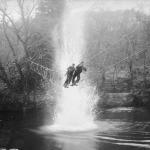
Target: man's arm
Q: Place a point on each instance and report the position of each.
(67, 71)
(84, 69)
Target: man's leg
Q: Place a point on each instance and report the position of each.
(78, 78)
(66, 82)
(73, 79)
(70, 78)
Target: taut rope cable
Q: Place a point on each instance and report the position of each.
(104, 51)
(44, 69)
(137, 53)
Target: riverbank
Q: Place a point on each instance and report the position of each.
(132, 99)
(14, 102)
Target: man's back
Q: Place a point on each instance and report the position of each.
(80, 68)
(70, 69)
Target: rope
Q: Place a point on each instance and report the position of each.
(104, 51)
(43, 67)
(43, 71)
(137, 53)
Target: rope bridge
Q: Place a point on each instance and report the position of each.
(52, 76)
(46, 73)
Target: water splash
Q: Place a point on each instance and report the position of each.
(75, 104)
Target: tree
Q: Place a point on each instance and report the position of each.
(4, 76)
(51, 8)
(20, 38)
(120, 35)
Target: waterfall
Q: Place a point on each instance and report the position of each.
(74, 104)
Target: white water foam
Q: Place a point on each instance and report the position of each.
(74, 104)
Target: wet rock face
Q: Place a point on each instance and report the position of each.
(109, 100)
(115, 100)
(122, 99)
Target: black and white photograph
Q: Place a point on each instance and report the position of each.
(74, 74)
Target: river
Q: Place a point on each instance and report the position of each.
(117, 129)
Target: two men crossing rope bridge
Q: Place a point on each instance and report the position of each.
(73, 73)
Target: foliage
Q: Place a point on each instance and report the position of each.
(22, 41)
(117, 42)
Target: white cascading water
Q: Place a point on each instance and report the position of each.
(74, 104)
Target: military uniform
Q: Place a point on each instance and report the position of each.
(69, 74)
(77, 73)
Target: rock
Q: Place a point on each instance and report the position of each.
(115, 100)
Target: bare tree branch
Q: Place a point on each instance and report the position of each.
(12, 48)
(4, 77)
(14, 26)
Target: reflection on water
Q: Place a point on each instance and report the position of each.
(75, 143)
(118, 129)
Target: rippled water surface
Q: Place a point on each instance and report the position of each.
(117, 129)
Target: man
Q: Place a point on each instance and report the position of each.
(77, 73)
(69, 73)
